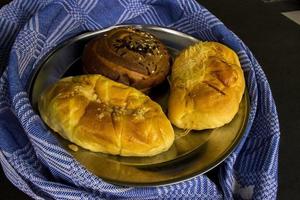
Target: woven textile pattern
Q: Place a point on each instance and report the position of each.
(29, 154)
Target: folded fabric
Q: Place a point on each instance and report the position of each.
(34, 162)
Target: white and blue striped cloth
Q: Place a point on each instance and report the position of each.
(34, 162)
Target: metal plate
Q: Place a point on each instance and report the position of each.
(190, 155)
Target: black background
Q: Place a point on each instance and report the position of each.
(275, 42)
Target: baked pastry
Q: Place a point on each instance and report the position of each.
(102, 115)
(128, 55)
(207, 85)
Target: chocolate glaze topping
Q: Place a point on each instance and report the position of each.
(128, 55)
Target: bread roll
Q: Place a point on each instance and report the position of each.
(127, 55)
(101, 115)
(207, 85)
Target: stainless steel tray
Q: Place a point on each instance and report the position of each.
(190, 155)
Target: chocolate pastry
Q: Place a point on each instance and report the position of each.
(129, 56)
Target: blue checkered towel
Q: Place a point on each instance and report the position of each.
(34, 162)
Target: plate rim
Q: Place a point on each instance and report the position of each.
(225, 154)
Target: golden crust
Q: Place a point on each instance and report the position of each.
(101, 115)
(207, 85)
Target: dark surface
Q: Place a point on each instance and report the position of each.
(275, 42)
(8, 191)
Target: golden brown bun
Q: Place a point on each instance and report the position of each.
(101, 115)
(207, 85)
(127, 55)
